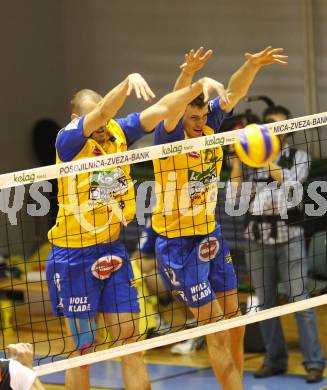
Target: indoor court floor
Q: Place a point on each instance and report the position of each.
(169, 371)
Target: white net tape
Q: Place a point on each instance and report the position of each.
(29, 176)
(180, 336)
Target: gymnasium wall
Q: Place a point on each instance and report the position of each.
(52, 48)
(32, 78)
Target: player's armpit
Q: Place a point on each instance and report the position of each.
(171, 123)
(107, 108)
(170, 106)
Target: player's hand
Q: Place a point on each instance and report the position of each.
(267, 56)
(22, 352)
(142, 90)
(194, 61)
(211, 86)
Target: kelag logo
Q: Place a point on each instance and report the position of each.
(167, 150)
(219, 141)
(24, 178)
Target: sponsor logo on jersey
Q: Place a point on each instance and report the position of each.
(105, 266)
(208, 249)
(108, 184)
(228, 258)
(196, 155)
(97, 151)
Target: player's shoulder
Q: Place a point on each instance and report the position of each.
(115, 128)
(211, 105)
(74, 124)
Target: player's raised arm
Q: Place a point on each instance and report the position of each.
(242, 79)
(173, 105)
(113, 101)
(194, 61)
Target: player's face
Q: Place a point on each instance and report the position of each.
(194, 120)
(100, 135)
(275, 118)
(86, 107)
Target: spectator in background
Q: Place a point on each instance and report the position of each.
(277, 247)
(17, 372)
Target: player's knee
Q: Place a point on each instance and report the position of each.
(129, 332)
(208, 313)
(82, 332)
(238, 333)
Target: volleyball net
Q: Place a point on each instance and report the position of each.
(257, 213)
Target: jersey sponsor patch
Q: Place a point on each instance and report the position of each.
(73, 125)
(97, 151)
(228, 258)
(106, 185)
(202, 185)
(196, 155)
(105, 266)
(208, 249)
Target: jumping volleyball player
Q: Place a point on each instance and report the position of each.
(190, 249)
(88, 269)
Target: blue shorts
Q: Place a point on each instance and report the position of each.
(196, 267)
(83, 281)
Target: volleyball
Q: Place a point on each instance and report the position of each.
(257, 145)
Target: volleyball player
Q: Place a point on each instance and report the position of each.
(190, 249)
(88, 269)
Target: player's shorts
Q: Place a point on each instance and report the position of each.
(196, 267)
(83, 281)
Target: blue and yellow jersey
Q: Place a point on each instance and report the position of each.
(92, 206)
(186, 184)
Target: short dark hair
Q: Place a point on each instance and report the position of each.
(276, 110)
(80, 97)
(198, 101)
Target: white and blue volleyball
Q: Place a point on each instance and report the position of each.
(257, 145)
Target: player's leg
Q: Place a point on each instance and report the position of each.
(229, 304)
(119, 303)
(224, 283)
(219, 347)
(124, 329)
(187, 272)
(76, 378)
(68, 276)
